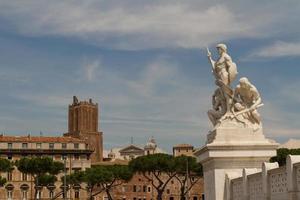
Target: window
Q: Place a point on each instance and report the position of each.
(203, 197)
(24, 145)
(64, 157)
(9, 145)
(76, 194)
(9, 157)
(134, 188)
(171, 198)
(51, 194)
(51, 145)
(149, 189)
(38, 145)
(24, 195)
(195, 198)
(9, 195)
(76, 146)
(76, 157)
(9, 176)
(24, 177)
(144, 188)
(168, 191)
(39, 194)
(63, 145)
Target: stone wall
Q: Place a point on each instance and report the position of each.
(271, 182)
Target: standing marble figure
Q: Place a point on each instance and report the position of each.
(236, 140)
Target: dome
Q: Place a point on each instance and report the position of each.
(151, 144)
(111, 154)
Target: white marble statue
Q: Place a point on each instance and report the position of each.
(219, 106)
(224, 71)
(246, 101)
(239, 104)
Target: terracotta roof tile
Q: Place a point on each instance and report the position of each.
(41, 139)
(183, 145)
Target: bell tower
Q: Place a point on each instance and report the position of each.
(83, 123)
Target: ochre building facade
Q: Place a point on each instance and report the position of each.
(74, 152)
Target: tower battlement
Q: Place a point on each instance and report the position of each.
(83, 123)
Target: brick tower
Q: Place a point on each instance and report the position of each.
(83, 123)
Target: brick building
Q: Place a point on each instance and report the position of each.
(19, 186)
(83, 123)
(183, 149)
(139, 188)
(78, 148)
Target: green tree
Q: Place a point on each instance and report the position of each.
(5, 166)
(282, 154)
(101, 178)
(42, 169)
(159, 169)
(188, 173)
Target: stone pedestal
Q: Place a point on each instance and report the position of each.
(228, 150)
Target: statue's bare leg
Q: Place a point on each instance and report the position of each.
(256, 116)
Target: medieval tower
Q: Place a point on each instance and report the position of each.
(83, 123)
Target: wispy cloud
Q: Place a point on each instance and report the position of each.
(278, 49)
(46, 99)
(158, 73)
(90, 69)
(128, 25)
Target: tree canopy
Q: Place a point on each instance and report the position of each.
(5, 166)
(159, 169)
(282, 154)
(189, 172)
(101, 178)
(43, 170)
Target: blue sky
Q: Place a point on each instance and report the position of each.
(145, 63)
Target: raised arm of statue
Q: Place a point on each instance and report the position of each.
(212, 62)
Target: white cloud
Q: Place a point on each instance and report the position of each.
(45, 99)
(278, 49)
(158, 73)
(131, 25)
(90, 69)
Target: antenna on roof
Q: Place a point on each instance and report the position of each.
(131, 140)
(41, 134)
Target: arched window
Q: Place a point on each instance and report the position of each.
(24, 191)
(9, 188)
(76, 194)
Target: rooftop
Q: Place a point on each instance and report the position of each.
(291, 144)
(41, 139)
(183, 145)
